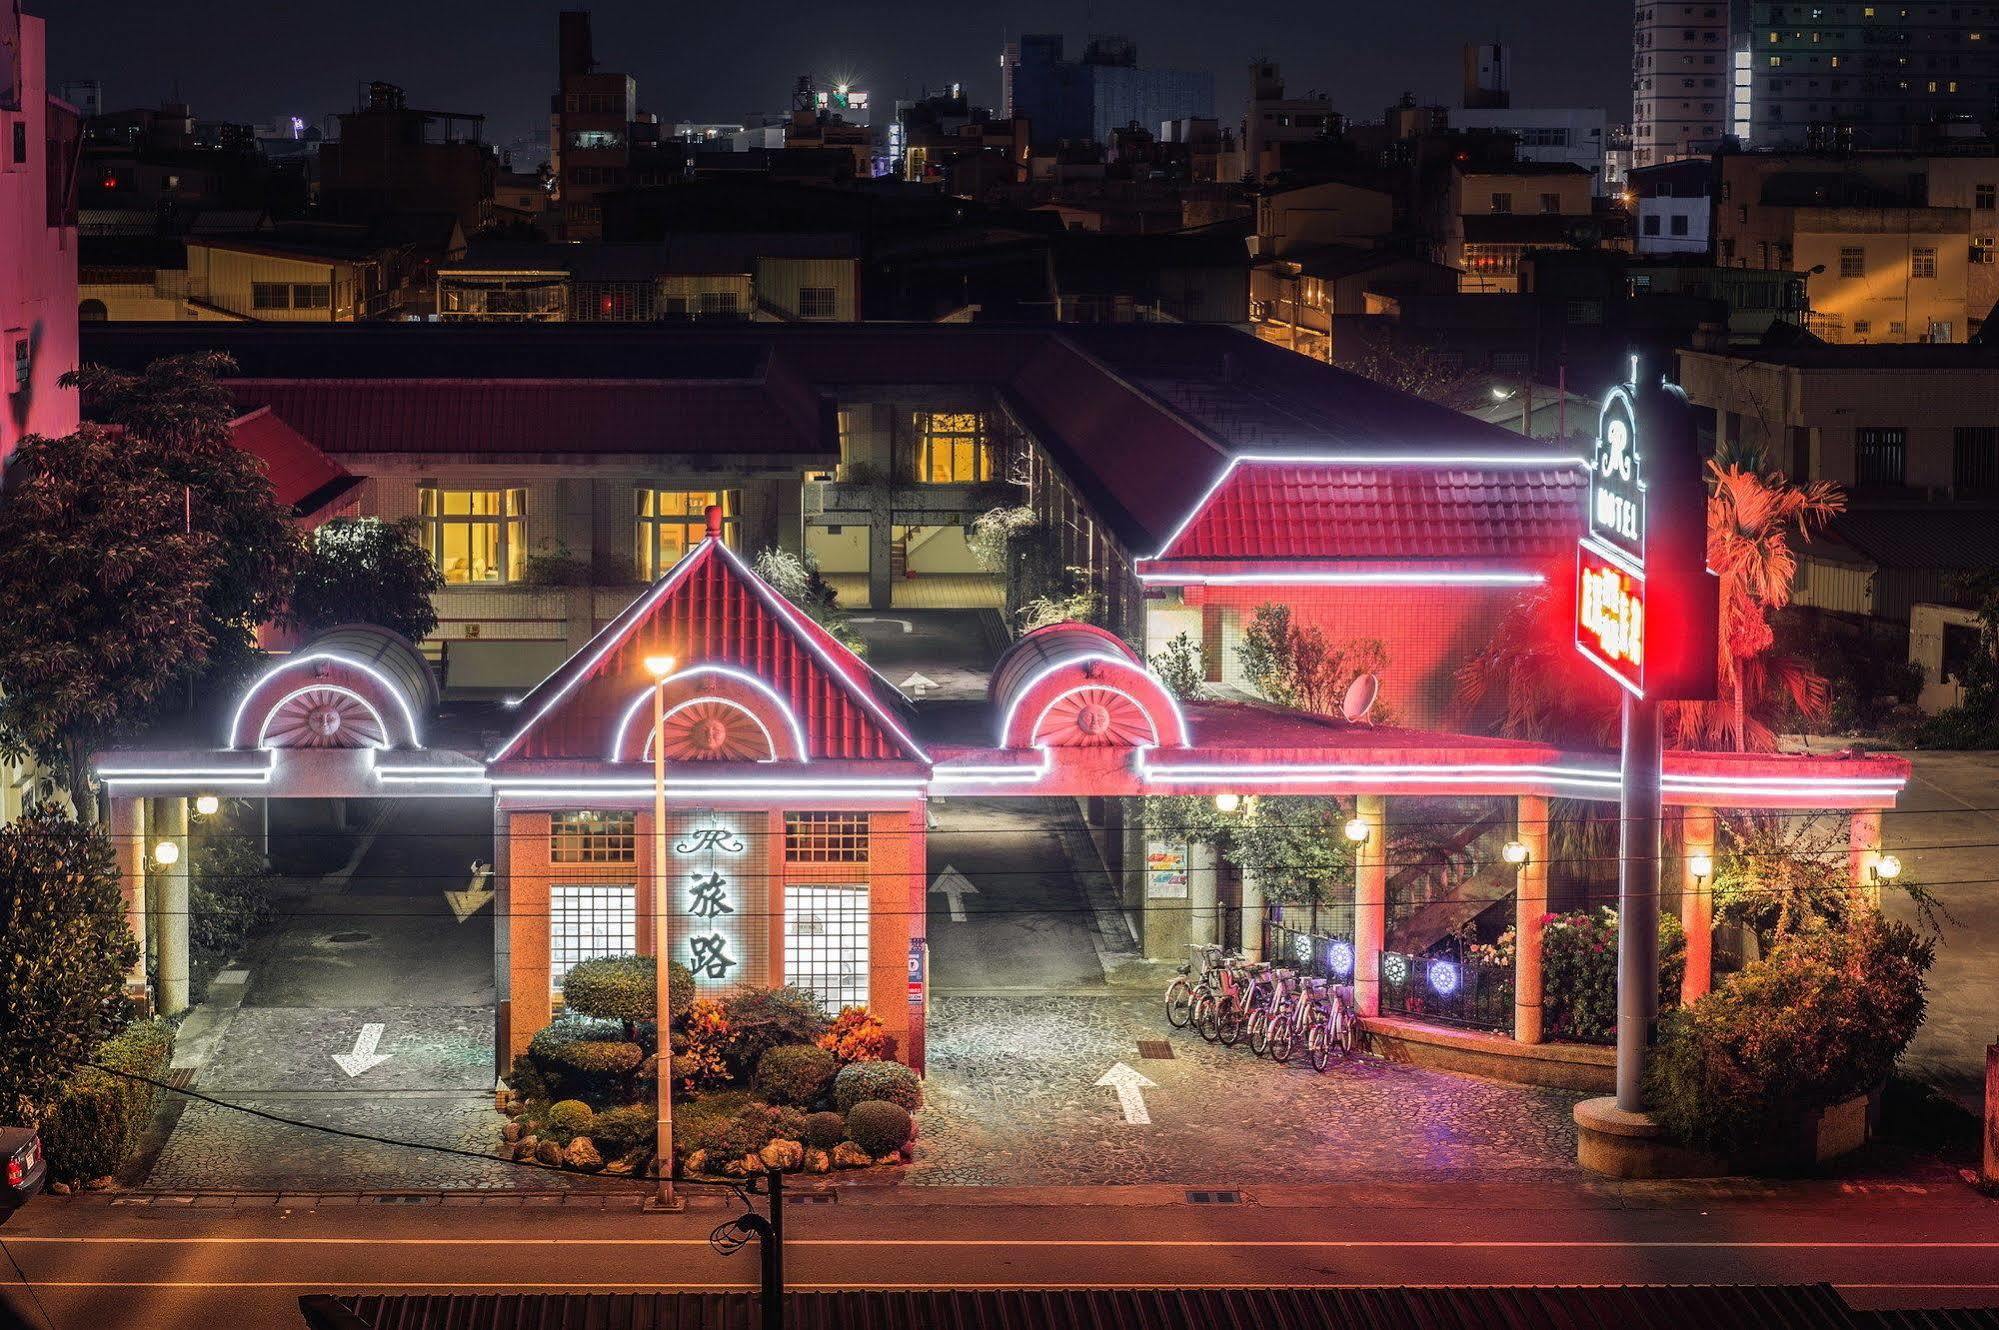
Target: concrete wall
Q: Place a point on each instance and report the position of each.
(37, 267)
(1892, 303)
(1926, 637)
(226, 277)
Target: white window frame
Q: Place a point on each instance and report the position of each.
(826, 942)
(588, 919)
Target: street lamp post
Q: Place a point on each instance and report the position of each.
(661, 669)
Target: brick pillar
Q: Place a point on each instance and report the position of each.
(1370, 904)
(503, 974)
(1697, 903)
(169, 824)
(1863, 851)
(1530, 903)
(896, 902)
(530, 999)
(128, 838)
(1203, 894)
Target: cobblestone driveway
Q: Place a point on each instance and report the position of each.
(1012, 1100)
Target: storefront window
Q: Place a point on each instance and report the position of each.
(951, 448)
(671, 522)
(825, 838)
(826, 943)
(476, 535)
(593, 838)
(586, 921)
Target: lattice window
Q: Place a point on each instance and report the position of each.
(825, 838)
(826, 943)
(587, 837)
(586, 921)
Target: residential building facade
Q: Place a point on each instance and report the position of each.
(1090, 98)
(1681, 76)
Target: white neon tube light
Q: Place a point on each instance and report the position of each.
(1183, 735)
(264, 732)
(727, 672)
(409, 716)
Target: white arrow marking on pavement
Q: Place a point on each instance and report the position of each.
(918, 684)
(954, 886)
(1129, 1085)
(465, 904)
(904, 624)
(364, 1055)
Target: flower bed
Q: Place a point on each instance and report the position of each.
(762, 1079)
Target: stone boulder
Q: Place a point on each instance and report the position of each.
(818, 1161)
(785, 1156)
(697, 1162)
(848, 1155)
(548, 1152)
(512, 1131)
(894, 1157)
(581, 1155)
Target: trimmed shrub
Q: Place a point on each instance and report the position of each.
(879, 1127)
(526, 1079)
(622, 988)
(1818, 1021)
(570, 1117)
(229, 897)
(702, 1124)
(825, 1130)
(760, 1019)
(608, 1057)
(793, 1074)
(856, 1035)
(625, 1127)
(98, 1120)
(891, 1081)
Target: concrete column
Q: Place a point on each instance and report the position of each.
(128, 838)
(1530, 902)
(1252, 915)
(1863, 851)
(1370, 904)
(881, 540)
(503, 959)
(1203, 894)
(171, 887)
(1697, 903)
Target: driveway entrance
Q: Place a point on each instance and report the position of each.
(368, 1007)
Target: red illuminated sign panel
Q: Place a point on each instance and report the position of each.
(1610, 617)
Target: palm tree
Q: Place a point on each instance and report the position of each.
(1751, 519)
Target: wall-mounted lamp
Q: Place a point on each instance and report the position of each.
(166, 854)
(1886, 868)
(1357, 830)
(207, 805)
(1701, 866)
(1227, 803)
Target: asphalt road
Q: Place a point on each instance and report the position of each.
(99, 1264)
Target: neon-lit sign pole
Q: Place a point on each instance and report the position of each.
(1646, 615)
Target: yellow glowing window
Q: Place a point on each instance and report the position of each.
(671, 522)
(951, 448)
(593, 838)
(476, 535)
(826, 838)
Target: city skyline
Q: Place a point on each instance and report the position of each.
(505, 68)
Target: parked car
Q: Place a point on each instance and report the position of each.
(27, 1165)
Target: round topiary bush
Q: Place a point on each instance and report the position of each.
(760, 1019)
(793, 1074)
(823, 1131)
(891, 1081)
(570, 1117)
(622, 988)
(879, 1127)
(606, 1057)
(624, 1127)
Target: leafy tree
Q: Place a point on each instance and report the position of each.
(367, 571)
(1296, 666)
(64, 955)
(799, 581)
(1418, 370)
(1179, 667)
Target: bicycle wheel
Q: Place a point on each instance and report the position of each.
(1283, 1037)
(1349, 1034)
(1206, 1016)
(1179, 1003)
(1257, 1030)
(1229, 1021)
(1319, 1048)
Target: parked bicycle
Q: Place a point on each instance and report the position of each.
(1220, 1012)
(1271, 1009)
(1291, 1028)
(1333, 1028)
(1186, 989)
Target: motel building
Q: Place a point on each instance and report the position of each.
(1193, 477)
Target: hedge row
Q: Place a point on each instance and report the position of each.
(98, 1120)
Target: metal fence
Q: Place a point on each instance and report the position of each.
(1325, 955)
(1450, 990)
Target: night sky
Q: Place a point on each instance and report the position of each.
(256, 61)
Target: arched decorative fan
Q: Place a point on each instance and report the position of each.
(714, 731)
(324, 718)
(1095, 718)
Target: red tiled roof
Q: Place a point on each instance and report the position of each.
(306, 480)
(711, 610)
(516, 417)
(1265, 510)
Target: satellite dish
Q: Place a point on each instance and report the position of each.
(1360, 699)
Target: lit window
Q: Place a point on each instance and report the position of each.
(586, 921)
(826, 943)
(826, 838)
(671, 522)
(593, 838)
(951, 448)
(476, 535)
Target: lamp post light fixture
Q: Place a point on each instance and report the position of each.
(207, 805)
(166, 854)
(1701, 866)
(1886, 868)
(661, 669)
(1357, 830)
(1515, 852)
(1227, 803)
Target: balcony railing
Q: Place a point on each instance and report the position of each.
(1450, 990)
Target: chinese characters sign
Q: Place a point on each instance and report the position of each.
(1610, 617)
(710, 860)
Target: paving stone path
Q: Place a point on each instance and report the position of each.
(1012, 1100)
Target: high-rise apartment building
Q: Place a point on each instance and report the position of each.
(1854, 75)
(1681, 76)
(600, 141)
(1091, 98)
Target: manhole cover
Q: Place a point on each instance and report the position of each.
(1214, 1198)
(350, 937)
(810, 1197)
(1156, 1049)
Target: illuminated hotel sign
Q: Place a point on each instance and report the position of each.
(1645, 606)
(708, 879)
